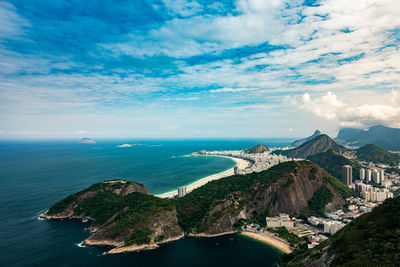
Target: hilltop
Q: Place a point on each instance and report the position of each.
(292, 187)
(372, 239)
(321, 143)
(332, 161)
(302, 141)
(385, 137)
(376, 154)
(125, 217)
(257, 149)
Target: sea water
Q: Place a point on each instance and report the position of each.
(36, 174)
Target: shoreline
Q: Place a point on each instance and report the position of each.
(270, 240)
(240, 163)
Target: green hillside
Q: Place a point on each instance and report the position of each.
(332, 161)
(321, 143)
(376, 154)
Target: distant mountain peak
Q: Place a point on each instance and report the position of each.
(302, 141)
(257, 149)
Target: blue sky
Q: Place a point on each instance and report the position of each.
(195, 69)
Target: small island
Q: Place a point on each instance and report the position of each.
(87, 141)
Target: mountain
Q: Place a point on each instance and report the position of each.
(319, 144)
(87, 141)
(302, 141)
(123, 215)
(332, 161)
(257, 149)
(385, 137)
(376, 154)
(296, 187)
(126, 217)
(372, 239)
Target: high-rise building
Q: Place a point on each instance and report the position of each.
(181, 191)
(382, 175)
(369, 174)
(362, 174)
(375, 176)
(236, 170)
(347, 174)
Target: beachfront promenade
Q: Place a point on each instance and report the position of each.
(246, 163)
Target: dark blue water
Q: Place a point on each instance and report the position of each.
(34, 175)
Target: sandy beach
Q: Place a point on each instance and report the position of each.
(270, 239)
(241, 163)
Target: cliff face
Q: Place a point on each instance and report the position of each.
(288, 192)
(123, 215)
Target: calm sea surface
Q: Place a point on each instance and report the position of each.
(36, 174)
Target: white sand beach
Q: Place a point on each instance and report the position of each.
(270, 239)
(240, 163)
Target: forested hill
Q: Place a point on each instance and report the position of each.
(374, 153)
(321, 143)
(332, 161)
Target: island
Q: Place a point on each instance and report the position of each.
(87, 141)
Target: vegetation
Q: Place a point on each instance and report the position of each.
(332, 161)
(319, 144)
(194, 207)
(282, 232)
(372, 239)
(62, 204)
(139, 237)
(376, 154)
(257, 149)
(339, 187)
(319, 200)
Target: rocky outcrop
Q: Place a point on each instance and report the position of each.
(123, 216)
(257, 149)
(302, 141)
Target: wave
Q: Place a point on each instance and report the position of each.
(81, 245)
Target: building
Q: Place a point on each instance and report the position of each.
(283, 220)
(369, 175)
(362, 174)
(347, 175)
(181, 191)
(236, 170)
(375, 176)
(332, 227)
(382, 175)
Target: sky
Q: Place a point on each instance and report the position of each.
(197, 69)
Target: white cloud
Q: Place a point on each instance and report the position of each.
(80, 132)
(351, 114)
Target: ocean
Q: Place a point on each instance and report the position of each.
(36, 174)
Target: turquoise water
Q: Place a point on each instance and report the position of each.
(36, 174)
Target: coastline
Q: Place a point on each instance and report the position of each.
(269, 239)
(240, 163)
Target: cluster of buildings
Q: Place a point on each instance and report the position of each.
(330, 226)
(375, 175)
(283, 220)
(371, 193)
(259, 161)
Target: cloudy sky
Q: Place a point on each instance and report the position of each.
(180, 68)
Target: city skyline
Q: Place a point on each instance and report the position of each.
(197, 69)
